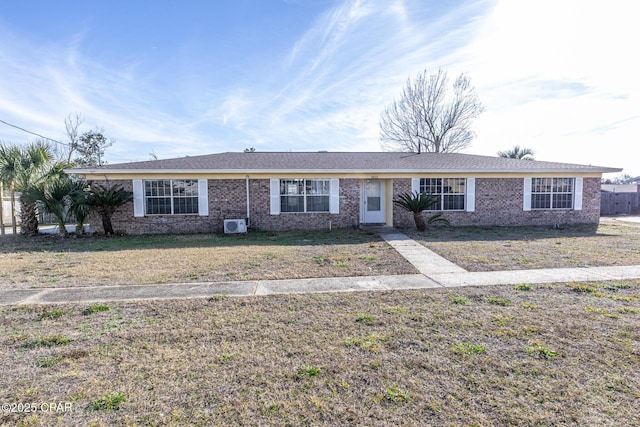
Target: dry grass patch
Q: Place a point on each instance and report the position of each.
(553, 356)
(520, 248)
(52, 261)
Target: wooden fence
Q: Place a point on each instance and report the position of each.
(614, 203)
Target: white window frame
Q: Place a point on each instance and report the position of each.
(469, 193)
(275, 196)
(139, 197)
(303, 184)
(549, 188)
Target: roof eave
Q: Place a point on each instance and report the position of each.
(114, 171)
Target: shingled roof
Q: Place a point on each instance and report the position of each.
(341, 162)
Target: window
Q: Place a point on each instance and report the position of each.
(451, 192)
(171, 197)
(304, 195)
(552, 193)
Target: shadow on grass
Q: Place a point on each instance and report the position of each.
(97, 243)
(55, 243)
(458, 234)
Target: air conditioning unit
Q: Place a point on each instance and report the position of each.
(235, 226)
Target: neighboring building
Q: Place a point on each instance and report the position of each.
(5, 199)
(620, 199)
(322, 190)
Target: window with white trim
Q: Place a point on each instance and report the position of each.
(451, 192)
(171, 197)
(304, 195)
(552, 193)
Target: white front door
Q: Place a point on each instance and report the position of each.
(373, 201)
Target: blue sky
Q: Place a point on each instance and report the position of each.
(196, 77)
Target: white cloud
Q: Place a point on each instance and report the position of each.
(555, 76)
(346, 68)
(559, 77)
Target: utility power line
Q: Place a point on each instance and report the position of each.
(33, 133)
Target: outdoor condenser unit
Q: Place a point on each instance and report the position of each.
(235, 226)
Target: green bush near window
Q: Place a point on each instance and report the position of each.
(416, 203)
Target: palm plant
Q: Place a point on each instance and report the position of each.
(54, 196)
(22, 169)
(518, 153)
(79, 207)
(416, 203)
(105, 201)
(34, 169)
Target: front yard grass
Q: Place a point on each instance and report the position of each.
(558, 354)
(52, 261)
(521, 248)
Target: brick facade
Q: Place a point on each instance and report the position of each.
(498, 201)
(261, 219)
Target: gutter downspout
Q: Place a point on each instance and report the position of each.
(248, 205)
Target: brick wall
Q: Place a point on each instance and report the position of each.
(227, 200)
(123, 220)
(261, 219)
(499, 201)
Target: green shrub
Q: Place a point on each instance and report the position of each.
(47, 362)
(365, 318)
(467, 348)
(394, 394)
(529, 305)
(226, 357)
(455, 299)
(536, 349)
(48, 341)
(95, 309)
(616, 286)
(53, 314)
(395, 310)
(371, 342)
(308, 372)
(111, 401)
(501, 320)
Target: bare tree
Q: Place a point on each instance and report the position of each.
(429, 118)
(72, 124)
(518, 152)
(619, 179)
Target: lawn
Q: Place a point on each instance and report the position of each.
(560, 354)
(52, 261)
(520, 248)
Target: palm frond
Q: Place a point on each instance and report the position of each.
(416, 202)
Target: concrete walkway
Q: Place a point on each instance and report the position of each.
(425, 261)
(435, 272)
(629, 218)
